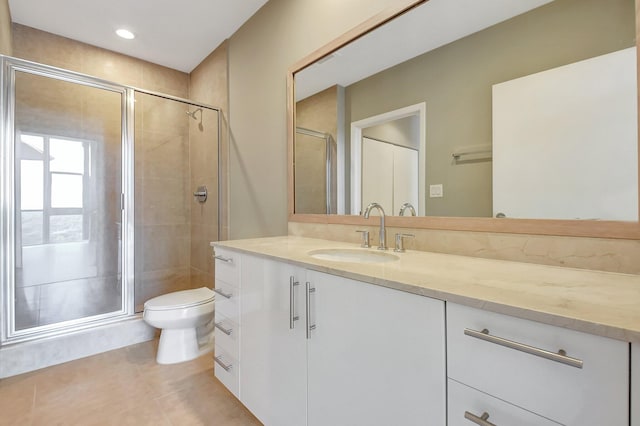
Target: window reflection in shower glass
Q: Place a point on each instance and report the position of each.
(32, 228)
(68, 185)
(65, 228)
(66, 156)
(66, 191)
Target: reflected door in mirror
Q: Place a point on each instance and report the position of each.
(389, 175)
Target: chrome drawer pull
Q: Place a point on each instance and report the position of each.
(482, 420)
(292, 303)
(223, 294)
(226, 331)
(218, 360)
(224, 259)
(560, 356)
(310, 327)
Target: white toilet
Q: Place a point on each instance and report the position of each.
(186, 320)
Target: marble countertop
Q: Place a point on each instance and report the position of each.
(601, 303)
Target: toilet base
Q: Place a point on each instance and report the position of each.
(179, 345)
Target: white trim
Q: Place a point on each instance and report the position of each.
(418, 110)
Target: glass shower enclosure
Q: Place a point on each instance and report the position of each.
(95, 187)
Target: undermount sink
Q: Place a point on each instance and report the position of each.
(353, 255)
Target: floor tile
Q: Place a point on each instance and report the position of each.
(121, 387)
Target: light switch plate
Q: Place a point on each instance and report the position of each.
(435, 191)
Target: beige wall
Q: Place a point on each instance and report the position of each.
(260, 53)
(5, 29)
(455, 83)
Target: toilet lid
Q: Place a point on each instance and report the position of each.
(180, 299)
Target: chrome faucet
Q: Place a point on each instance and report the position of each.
(407, 206)
(383, 238)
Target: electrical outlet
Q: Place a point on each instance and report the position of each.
(435, 191)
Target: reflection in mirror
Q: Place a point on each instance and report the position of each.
(386, 164)
(315, 153)
(530, 111)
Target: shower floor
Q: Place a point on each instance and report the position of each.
(46, 304)
(57, 282)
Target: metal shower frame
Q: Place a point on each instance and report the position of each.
(8, 68)
(329, 156)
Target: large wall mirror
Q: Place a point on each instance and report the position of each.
(488, 115)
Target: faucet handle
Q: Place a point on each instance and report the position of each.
(399, 242)
(365, 238)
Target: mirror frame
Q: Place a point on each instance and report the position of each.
(573, 228)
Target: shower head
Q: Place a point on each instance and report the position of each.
(192, 114)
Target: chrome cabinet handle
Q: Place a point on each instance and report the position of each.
(224, 259)
(223, 294)
(226, 331)
(482, 420)
(560, 356)
(310, 327)
(225, 367)
(292, 303)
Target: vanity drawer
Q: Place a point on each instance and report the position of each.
(227, 266)
(465, 405)
(595, 394)
(226, 369)
(227, 300)
(227, 334)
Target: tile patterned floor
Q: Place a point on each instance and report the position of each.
(121, 387)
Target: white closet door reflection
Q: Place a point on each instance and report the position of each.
(389, 175)
(68, 148)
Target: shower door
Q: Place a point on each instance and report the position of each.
(63, 183)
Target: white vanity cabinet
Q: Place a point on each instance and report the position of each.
(587, 383)
(376, 355)
(227, 318)
(273, 348)
(468, 406)
(301, 347)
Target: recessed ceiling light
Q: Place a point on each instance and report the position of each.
(125, 34)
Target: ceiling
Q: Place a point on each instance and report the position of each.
(176, 34)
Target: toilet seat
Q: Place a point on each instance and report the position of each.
(180, 299)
